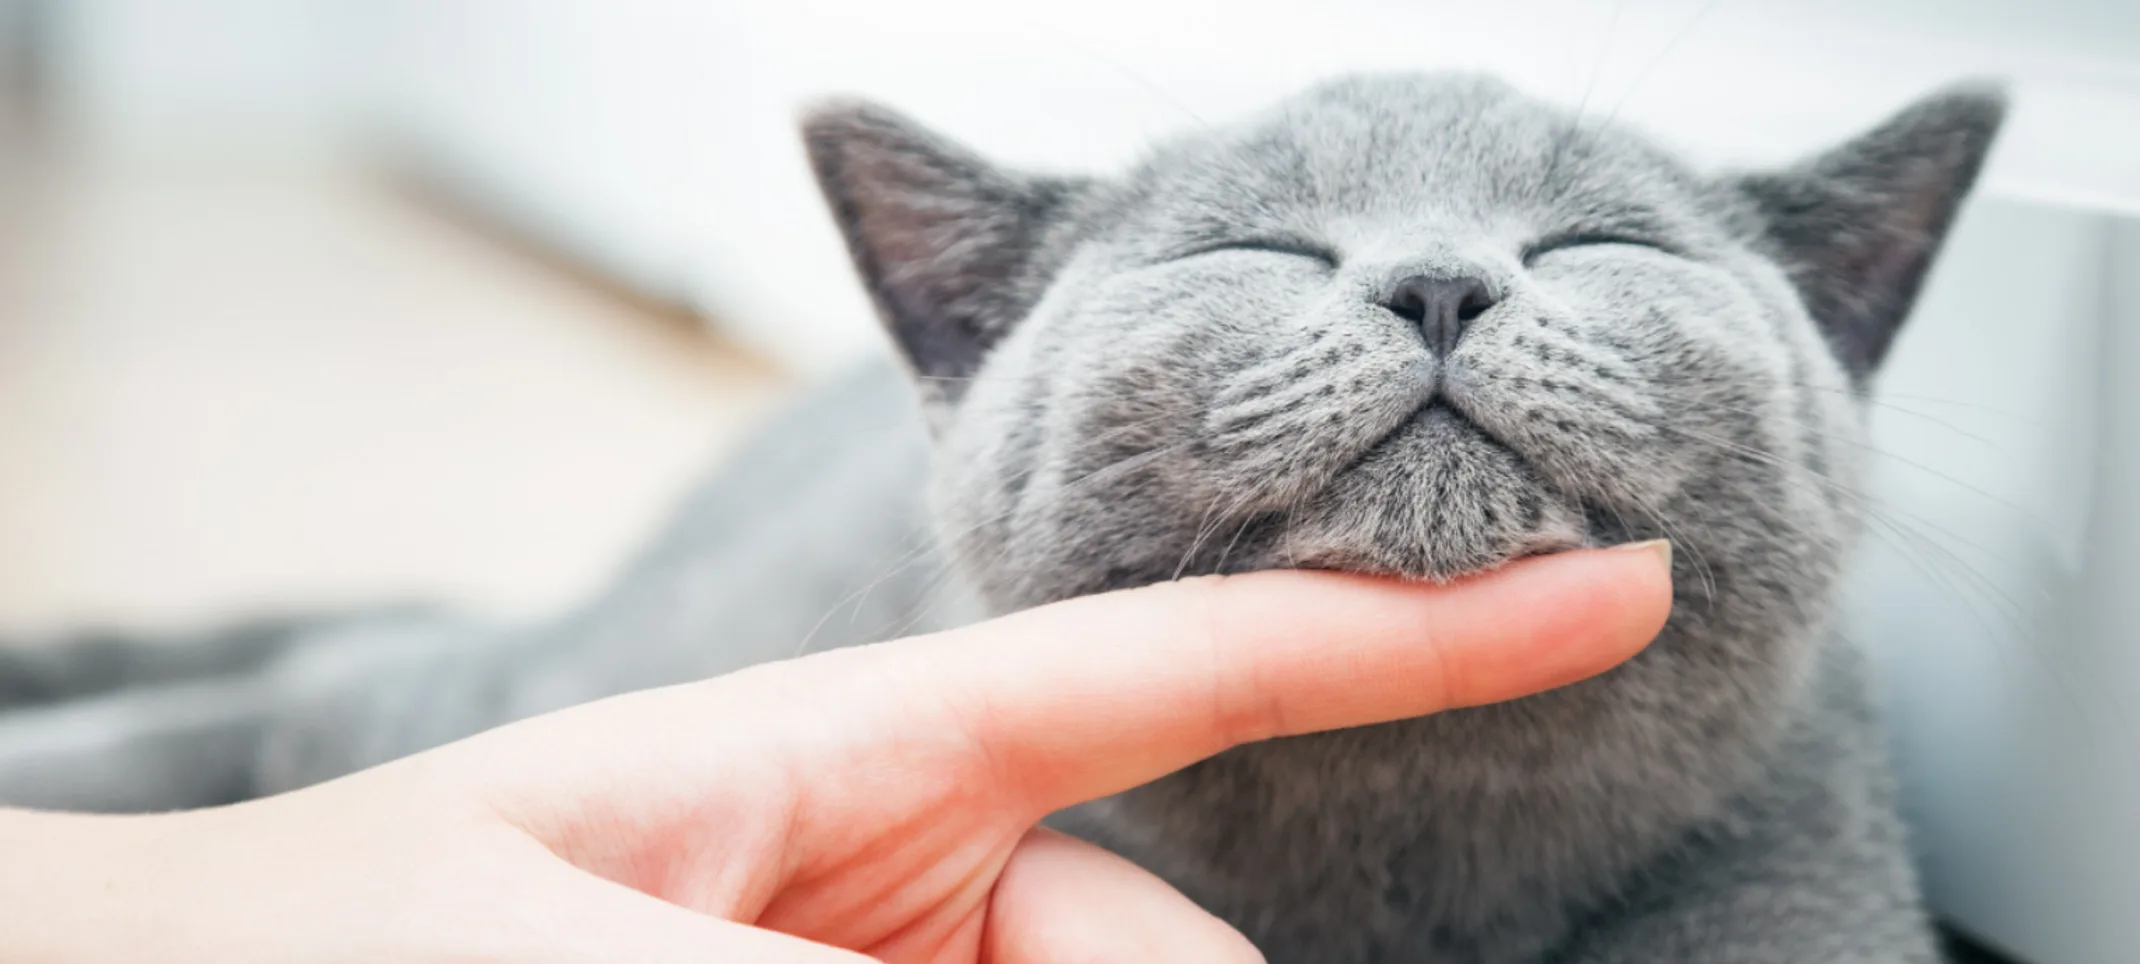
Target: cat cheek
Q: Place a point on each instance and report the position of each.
(1589, 422)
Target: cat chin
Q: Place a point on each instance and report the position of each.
(1453, 570)
(1438, 500)
(1434, 563)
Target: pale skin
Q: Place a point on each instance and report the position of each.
(872, 803)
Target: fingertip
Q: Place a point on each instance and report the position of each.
(1641, 593)
(1593, 609)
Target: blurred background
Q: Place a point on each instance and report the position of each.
(314, 302)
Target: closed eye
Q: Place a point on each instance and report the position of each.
(1279, 246)
(1590, 239)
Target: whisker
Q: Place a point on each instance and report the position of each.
(1885, 399)
(1702, 569)
(1663, 55)
(1858, 497)
(1197, 542)
(1134, 76)
(1940, 566)
(1227, 553)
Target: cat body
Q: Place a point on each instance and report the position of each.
(1408, 325)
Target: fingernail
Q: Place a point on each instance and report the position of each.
(1661, 548)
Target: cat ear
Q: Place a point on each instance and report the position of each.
(1857, 227)
(949, 246)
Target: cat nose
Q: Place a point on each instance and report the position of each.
(1442, 307)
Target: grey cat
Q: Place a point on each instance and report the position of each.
(1412, 325)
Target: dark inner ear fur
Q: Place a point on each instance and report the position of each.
(948, 245)
(1858, 227)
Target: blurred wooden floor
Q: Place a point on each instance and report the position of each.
(224, 390)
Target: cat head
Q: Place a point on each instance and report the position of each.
(1413, 325)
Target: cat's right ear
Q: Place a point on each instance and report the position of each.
(951, 248)
(1857, 228)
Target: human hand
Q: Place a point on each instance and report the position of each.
(877, 801)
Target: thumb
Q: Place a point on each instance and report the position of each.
(605, 921)
(1061, 899)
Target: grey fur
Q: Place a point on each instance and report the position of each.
(1190, 369)
(1207, 379)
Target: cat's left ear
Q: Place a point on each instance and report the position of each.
(953, 249)
(1857, 228)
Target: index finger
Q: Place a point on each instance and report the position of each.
(1085, 698)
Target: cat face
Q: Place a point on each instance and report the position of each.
(1407, 325)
